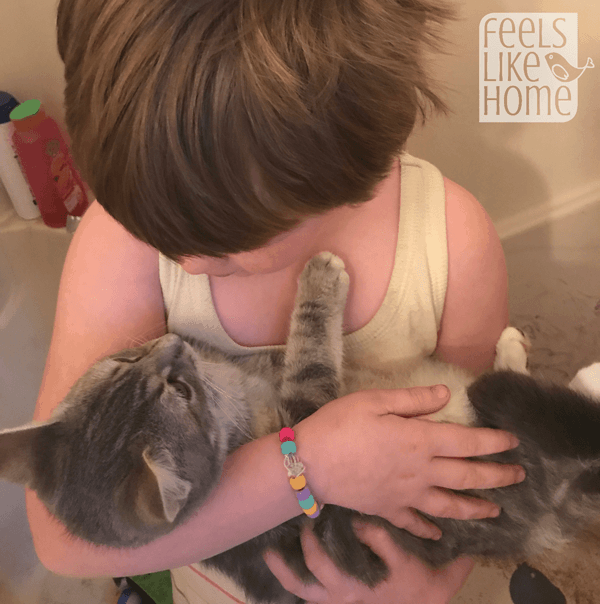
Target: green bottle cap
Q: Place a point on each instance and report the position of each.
(25, 109)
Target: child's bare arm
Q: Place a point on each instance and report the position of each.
(476, 305)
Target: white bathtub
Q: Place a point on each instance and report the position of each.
(31, 260)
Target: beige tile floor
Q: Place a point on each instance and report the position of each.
(554, 285)
(554, 289)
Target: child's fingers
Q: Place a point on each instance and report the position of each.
(323, 568)
(408, 402)
(446, 504)
(290, 581)
(459, 474)
(440, 583)
(379, 540)
(454, 440)
(409, 520)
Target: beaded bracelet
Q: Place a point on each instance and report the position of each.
(295, 470)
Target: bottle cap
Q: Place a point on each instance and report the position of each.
(72, 223)
(7, 104)
(27, 115)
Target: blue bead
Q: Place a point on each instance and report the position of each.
(306, 504)
(288, 446)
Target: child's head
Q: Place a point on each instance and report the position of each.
(207, 127)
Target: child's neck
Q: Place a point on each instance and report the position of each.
(346, 227)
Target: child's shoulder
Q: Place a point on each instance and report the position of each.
(476, 305)
(472, 237)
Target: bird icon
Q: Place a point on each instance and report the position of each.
(563, 70)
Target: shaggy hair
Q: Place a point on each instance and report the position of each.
(207, 127)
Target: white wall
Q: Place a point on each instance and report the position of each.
(520, 172)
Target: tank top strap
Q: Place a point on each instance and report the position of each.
(405, 327)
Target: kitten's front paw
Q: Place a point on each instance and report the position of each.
(511, 350)
(324, 278)
(525, 342)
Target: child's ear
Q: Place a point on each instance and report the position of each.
(16, 453)
(161, 492)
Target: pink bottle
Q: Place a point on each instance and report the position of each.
(47, 164)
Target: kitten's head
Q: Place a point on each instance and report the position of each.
(129, 453)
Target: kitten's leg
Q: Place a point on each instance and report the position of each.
(312, 372)
(313, 360)
(511, 351)
(312, 377)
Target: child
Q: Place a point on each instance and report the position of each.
(228, 141)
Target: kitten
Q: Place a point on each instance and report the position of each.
(139, 443)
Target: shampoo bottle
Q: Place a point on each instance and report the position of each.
(11, 174)
(47, 163)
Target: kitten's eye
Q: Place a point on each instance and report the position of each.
(127, 359)
(132, 357)
(182, 389)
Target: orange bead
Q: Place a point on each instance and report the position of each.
(298, 483)
(311, 510)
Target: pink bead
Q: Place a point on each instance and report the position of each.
(286, 434)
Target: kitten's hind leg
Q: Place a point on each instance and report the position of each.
(313, 359)
(511, 351)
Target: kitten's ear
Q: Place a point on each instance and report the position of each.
(161, 491)
(16, 453)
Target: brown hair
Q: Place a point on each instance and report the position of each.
(207, 127)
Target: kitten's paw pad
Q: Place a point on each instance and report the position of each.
(511, 350)
(324, 277)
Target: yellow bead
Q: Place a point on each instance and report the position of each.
(311, 510)
(298, 483)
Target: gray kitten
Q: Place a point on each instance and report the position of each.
(139, 443)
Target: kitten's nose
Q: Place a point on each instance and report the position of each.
(171, 341)
(170, 347)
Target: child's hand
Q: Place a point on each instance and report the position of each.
(409, 581)
(370, 451)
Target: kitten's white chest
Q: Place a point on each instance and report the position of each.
(458, 410)
(428, 373)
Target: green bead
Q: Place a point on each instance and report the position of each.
(306, 504)
(288, 446)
